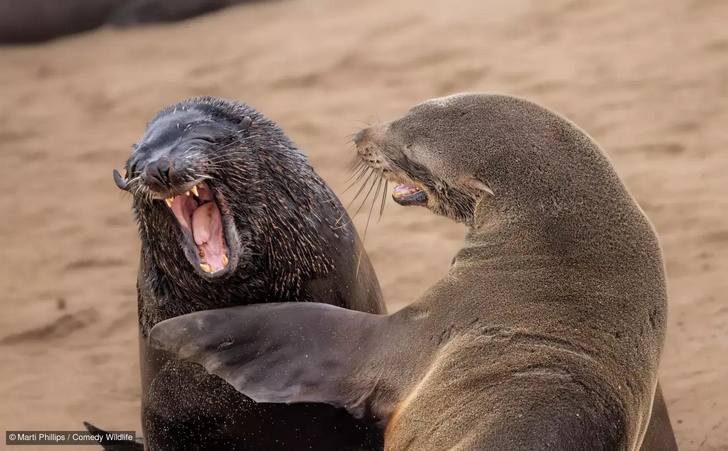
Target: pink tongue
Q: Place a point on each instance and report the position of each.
(403, 189)
(207, 231)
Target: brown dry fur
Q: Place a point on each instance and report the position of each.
(553, 314)
(546, 333)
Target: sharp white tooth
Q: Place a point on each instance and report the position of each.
(169, 202)
(224, 260)
(187, 193)
(206, 268)
(194, 191)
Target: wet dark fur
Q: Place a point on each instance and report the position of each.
(545, 334)
(285, 215)
(290, 249)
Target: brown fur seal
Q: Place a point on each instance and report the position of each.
(40, 20)
(230, 212)
(546, 333)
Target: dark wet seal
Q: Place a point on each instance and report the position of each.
(230, 212)
(545, 334)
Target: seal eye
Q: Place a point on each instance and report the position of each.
(409, 151)
(206, 139)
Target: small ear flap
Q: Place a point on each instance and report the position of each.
(476, 184)
(245, 123)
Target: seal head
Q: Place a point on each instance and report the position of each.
(173, 173)
(413, 151)
(203, 176)
(174, 169)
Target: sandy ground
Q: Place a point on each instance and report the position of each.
(647, 79)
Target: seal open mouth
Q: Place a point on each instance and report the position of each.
(405, 194)
(199, 216)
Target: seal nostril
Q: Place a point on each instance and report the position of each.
(159, 172)
(163, 175)
(358, 137)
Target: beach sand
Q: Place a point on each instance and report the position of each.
(647, 79)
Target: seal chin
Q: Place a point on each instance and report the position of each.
(205, 229)
(406, 194)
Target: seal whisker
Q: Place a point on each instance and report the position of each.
(221, 147)
(357, 173)
(232, 143)
(361, 173)
(354, 168)
(355, 164)
(226, 145)
(384, 199)
(331, 198)
(226, 158)
(374, 201)
(363, 185)
(369, 217)
(374, 182)
(349, 138)
(354, 178)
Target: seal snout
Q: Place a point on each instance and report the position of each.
(168, 171)
(166, 175)
(161, 175)
(408, 191)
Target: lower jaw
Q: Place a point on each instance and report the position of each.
(411, 197)
(213, 255)
(221, 264)
(209, 268)
(206, 271)
(420, 201)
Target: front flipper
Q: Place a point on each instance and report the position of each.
(286, 352)
(107, 443)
